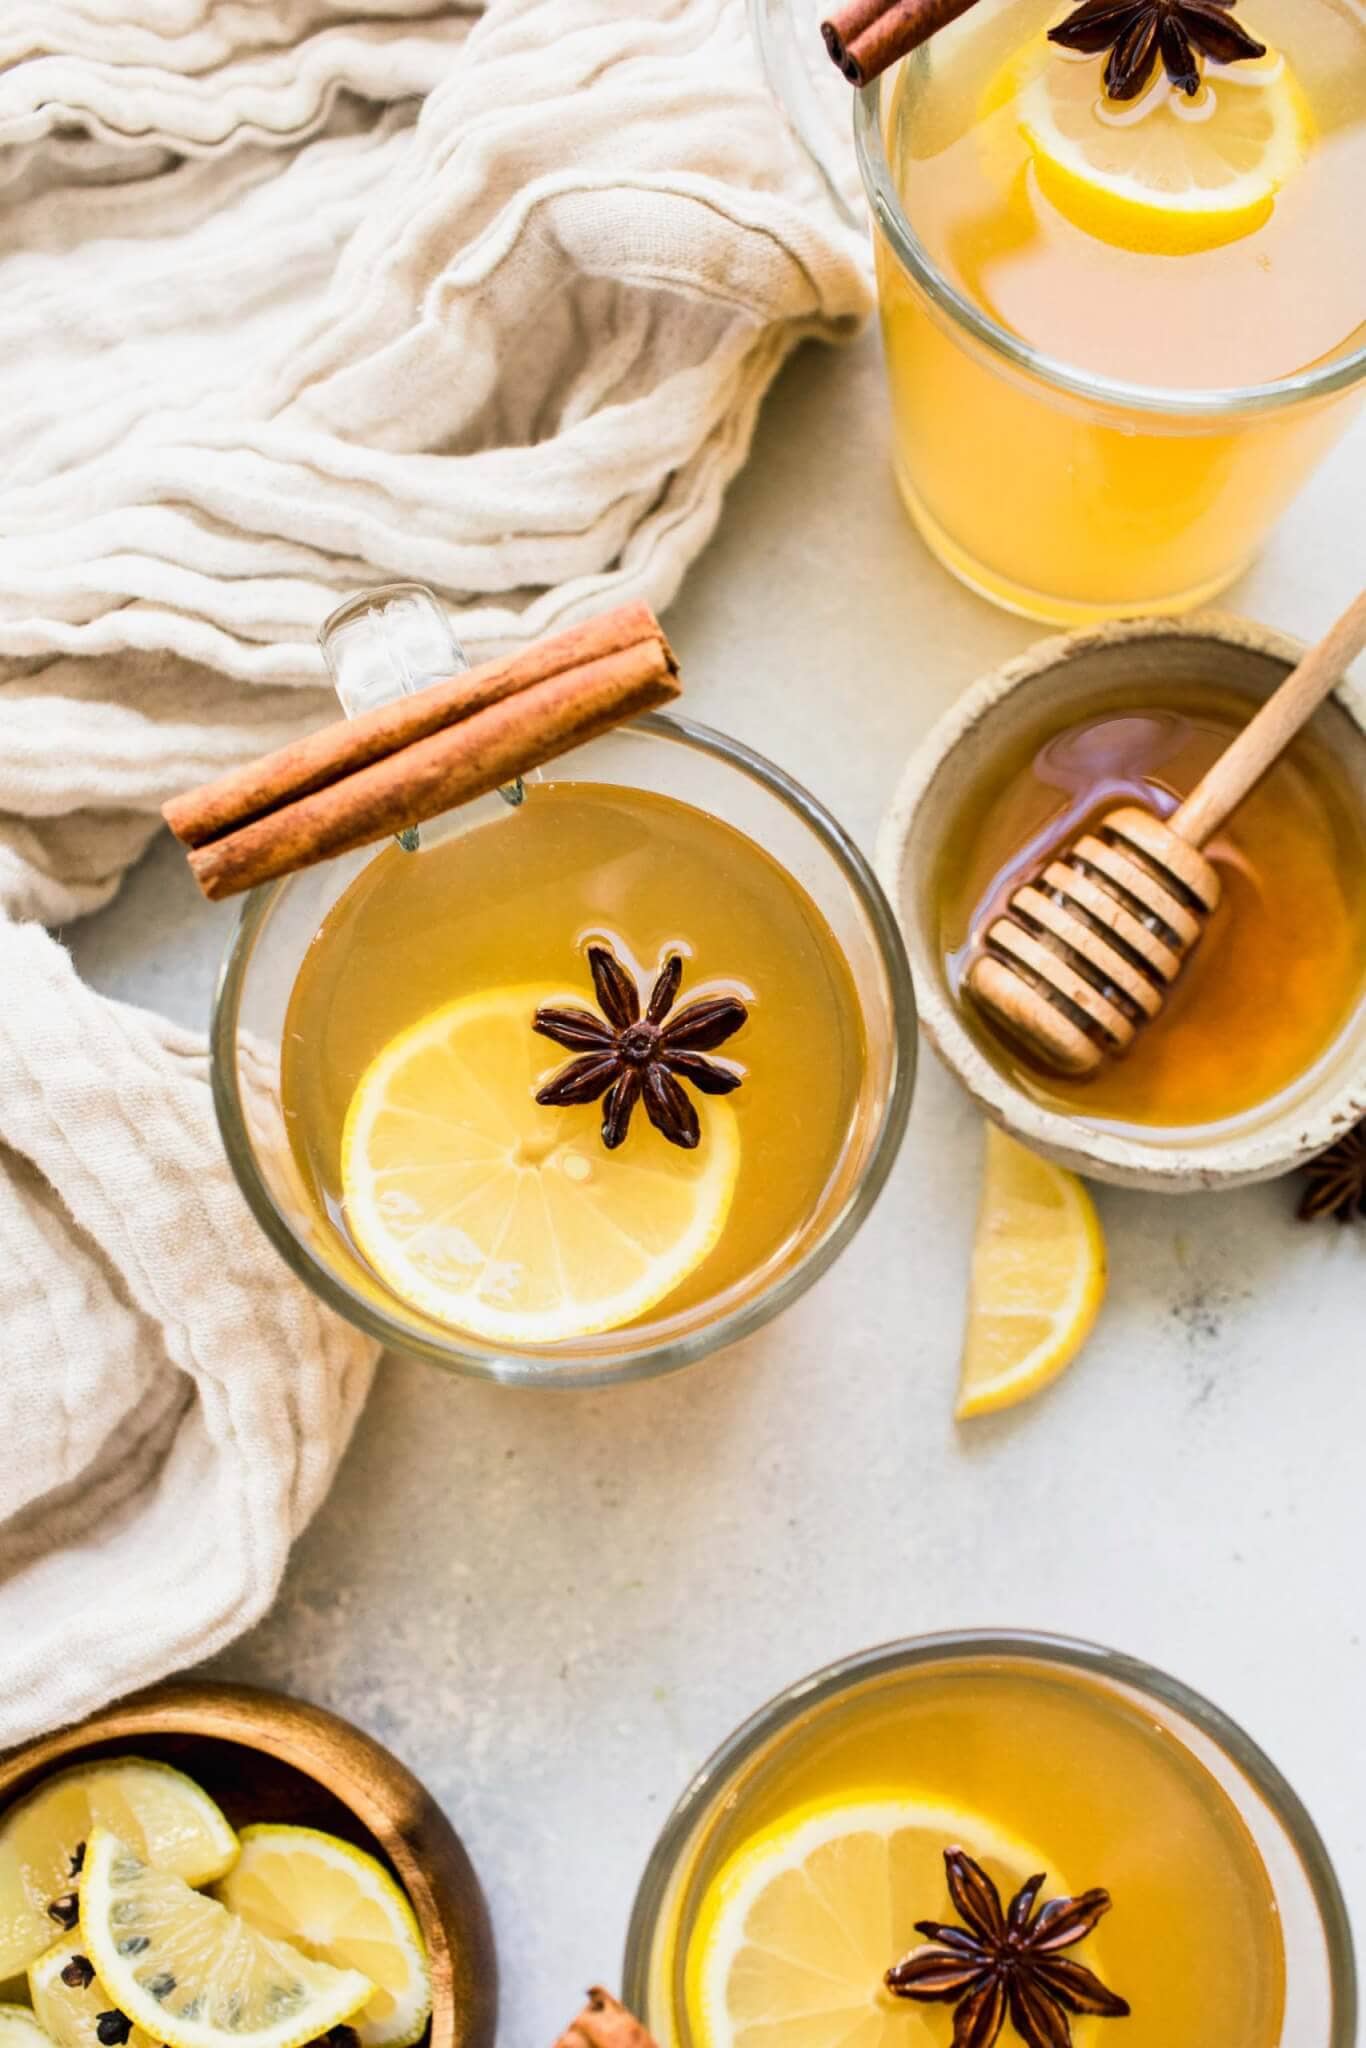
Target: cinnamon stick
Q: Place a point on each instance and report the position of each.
(336, 751)
(604, 2023)
(865, 37)
(450, 766)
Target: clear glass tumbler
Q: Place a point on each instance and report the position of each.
(749, 1771)
(670, 757)
(1063, 495)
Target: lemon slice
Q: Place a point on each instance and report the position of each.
(189, 1972)
(158, 1811)
(339, 1905)
(71, 2012)
(19, 2029)
(1038, 1278)
(794, 1936)
(1166, 173)
(512, 1221)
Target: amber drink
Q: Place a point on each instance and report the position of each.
(985, 1838)
(595, 1076)
(1120, 332)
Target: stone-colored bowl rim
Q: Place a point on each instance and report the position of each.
(1303, 1128)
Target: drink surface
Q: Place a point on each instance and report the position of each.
(497, 916)
(1055, 1768)
(1281, 968)
(1018, 174)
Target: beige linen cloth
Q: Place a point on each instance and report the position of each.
(296, 296)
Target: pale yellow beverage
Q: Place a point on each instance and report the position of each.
(425, 1047)
(1205, 252)
(811, 1878)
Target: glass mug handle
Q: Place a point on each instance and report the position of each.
(787, 36)
(387, 643)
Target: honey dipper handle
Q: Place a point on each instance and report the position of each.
(1241, 766)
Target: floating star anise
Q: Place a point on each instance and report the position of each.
(629, 1058)
(1337, 1179)
(1141, 33)
(1005, 1961)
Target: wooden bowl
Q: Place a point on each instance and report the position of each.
(992, 718)
(267, 1758)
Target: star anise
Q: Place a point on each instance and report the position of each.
(629, 1058)
(1337, 1179)
(1141, 33)
(1005, 1961)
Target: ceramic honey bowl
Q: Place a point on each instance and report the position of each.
(1261, 1061)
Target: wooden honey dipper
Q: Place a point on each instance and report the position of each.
(1085, 954)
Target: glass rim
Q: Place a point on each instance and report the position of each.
(1216, 403)
(1072, 1653)
(566, 1368)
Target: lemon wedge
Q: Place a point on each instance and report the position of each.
(71, 2012)
(508, 1220)
(19, 2029)
(793, 1938)
(1165, 173)
(342, 1907)
(158, 1811)
(189, 1972)
(1038, 1278)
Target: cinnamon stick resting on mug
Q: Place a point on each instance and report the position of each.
(362, 779)
(865, 37)
(604, 2023)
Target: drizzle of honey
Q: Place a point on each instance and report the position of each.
(1281, 968)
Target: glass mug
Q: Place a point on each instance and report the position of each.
(281, 926)
(1058, 493)
(946, 1711)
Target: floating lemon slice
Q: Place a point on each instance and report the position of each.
(794, 1937)
(158, 1811)
(1165, 172)
(189, 1972)
(71, 2012)
(342, 1907)
(1038, 1278)
(510, 1220)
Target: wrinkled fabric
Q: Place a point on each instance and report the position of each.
(308, 333)
(294, 299)
(172, 1402)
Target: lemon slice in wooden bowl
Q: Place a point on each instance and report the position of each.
(342, 1907)
(161, 1814)
(189, 1972)
(73, 2006)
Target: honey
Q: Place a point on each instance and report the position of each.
(1281, 969)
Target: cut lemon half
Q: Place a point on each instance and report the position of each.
(509, 1220)
(162, 1815)
(189, 1972)
(796, 1933)
(1165, 173)
(1038, 1278)
(342, 1907)
(71, 2012)
(19, 2029)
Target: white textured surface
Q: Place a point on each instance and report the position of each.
(553, 1606)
